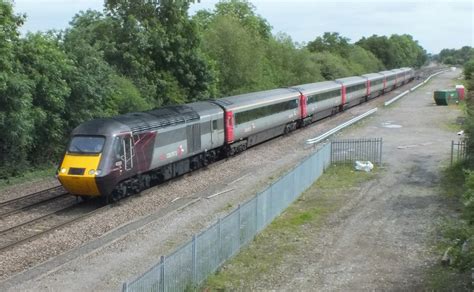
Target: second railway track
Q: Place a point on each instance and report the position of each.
(45, 224)
(18, 204)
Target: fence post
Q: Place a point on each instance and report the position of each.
(330, 146)
(381, 145)
(194, 250)
(271, 205)
(452, 151)
(219, 239)
(293, 197)
(162, 273)
(125, 287)
(256, 212)
(238, 214)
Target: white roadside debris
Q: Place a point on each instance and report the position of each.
(366, 166)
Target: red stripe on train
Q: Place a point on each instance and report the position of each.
(229, 126)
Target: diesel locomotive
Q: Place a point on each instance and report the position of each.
(114, 157)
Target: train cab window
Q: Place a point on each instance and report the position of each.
(118, 148)
(86, 144)
(214, 125)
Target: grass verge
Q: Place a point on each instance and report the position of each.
(29, 176)
(456, 234)
(290, 232)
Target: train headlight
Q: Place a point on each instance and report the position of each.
(63, 170)
(95, 172)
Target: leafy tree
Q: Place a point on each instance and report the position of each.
(47, 67)
(240, 57)
(331, 42)
(362, 61)
(160, 39)
(15, 98)
(396, 51)
(456, 57)
(355, 58)
(469, 69)
(381, 47)
(332, 66)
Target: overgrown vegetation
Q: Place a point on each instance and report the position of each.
(138, 55)
(456, 57)
(458, 184)
(290, 232)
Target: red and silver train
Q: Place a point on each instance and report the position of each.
(115, 157)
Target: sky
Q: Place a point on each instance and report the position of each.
(435, 24)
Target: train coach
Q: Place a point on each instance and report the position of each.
(114, 157)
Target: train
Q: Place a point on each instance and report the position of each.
(115, 157)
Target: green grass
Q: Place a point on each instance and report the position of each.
(452, 181)
(29, 176)
(452, 232)
(290, 232)
(447, 279)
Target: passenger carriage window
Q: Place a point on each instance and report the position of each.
(323, 96)
(254, 114)
(214, 125)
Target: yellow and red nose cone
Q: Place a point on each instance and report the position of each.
(77, 174)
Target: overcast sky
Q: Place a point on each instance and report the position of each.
(435, 24)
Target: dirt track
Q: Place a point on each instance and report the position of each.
(381, 238)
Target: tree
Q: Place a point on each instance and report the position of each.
(47, 68)
(396, 51)
(469, 69)
(239, 55)
(456, 57)
(159, 38)
(15, 97)
(244, 12)
(381, 47)
(331, 42)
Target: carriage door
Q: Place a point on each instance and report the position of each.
(214, 133)
(128, 152)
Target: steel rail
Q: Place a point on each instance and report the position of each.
(340, 127)
(53, 228)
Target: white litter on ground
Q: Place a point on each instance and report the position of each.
(366, 166)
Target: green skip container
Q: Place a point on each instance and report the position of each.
(445, 97)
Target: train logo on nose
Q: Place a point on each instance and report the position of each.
(180, 150)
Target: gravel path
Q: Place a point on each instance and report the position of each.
(134, 253)
(380, 240)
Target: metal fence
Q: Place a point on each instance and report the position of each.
(458, 151)
(350, 150)
(193, 262)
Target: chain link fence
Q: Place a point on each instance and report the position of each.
(193, 262)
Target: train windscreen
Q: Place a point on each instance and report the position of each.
(86, 144)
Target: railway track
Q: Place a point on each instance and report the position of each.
(45, 224)
(16, 205)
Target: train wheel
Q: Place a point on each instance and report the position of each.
(84, 198)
